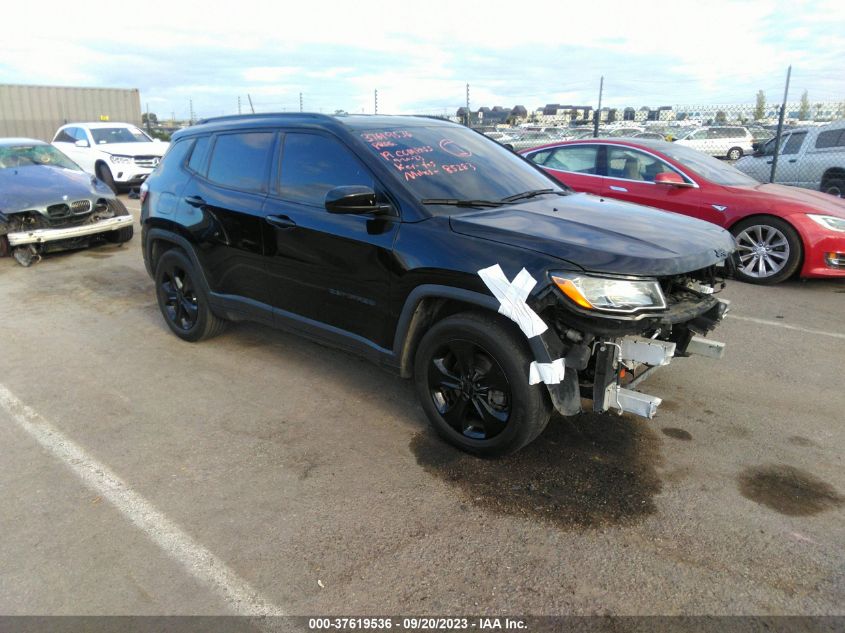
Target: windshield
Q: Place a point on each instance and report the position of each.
(105, 135)
(455, 163)
(708, 167)
(14, 156)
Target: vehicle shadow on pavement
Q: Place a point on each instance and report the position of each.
(583, 472)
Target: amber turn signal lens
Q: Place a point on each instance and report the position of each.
(570, 290)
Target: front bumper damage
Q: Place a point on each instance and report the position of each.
(41, 236)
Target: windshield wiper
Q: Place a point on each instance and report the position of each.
(533, 194)
(462, 203)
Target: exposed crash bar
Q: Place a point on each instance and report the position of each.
(40, 236)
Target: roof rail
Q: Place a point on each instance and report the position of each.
(259, 115)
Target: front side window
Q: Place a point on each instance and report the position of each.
(312, 165)
(793, 144)
(107, 135)
(631, 164)
(240, 161)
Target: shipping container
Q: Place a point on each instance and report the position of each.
(38, 111)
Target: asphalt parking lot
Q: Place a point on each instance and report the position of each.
(261, 473)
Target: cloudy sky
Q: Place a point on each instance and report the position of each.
(421, 55)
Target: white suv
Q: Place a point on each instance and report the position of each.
(721, 141)
(119, 154)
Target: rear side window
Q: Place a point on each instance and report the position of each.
(240, 160)
(830, 138)
(313, 164)
(176, 153)
(580, 159)
(199, 155)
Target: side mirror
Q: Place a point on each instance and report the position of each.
(81, 143)
(671, 179)
(353, 199)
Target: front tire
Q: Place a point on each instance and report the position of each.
(734, 153)
(182, 300)
(769, 250)
(471, 377)
(104, 174)
(121, 235)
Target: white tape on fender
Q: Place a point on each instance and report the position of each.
(548, 373)
(512, 296)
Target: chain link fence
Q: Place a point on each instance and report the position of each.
(806, 150)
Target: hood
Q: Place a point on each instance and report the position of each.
(602, 235)
(134, 149)
(31, 187)
(794, 199)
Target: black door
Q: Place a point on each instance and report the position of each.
(329, 268)
(229, 201)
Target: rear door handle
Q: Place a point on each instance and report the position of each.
(768, 162)
(195, 201)
(615, 188)
(280, 221)
(793, 160)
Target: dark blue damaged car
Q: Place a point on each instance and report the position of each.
(47, 203)
(432, 250)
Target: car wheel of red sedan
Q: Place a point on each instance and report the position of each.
(769, 250)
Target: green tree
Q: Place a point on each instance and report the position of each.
(721, 117)
(804, 110)
(760, 108)
(151, 116)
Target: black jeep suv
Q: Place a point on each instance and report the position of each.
(433, 250)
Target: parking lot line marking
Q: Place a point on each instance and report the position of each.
(198, 561)
(786, 326)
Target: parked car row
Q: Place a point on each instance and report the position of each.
(779, 230)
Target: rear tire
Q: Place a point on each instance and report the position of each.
(834, 186)
(471, 377)
(121, 235)
(104, 174)
(182, 299)
(771, 240)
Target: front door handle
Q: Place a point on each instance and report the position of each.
(615, 188)
(280, 221)
(792, 160)
(195, 201)
(768, 162)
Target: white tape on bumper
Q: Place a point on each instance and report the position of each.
(548, 373)
(512, 296)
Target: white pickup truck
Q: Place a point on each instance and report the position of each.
(810, 157)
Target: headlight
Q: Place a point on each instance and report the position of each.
(611, 295)
(120, 160)
(829, 222)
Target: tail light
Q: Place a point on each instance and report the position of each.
(145, 189)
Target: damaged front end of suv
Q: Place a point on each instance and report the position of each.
(48, 204)
(613, 332)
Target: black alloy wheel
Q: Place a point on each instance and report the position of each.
(471, 377)
(182, 300)
(469, 389)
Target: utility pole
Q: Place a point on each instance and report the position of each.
(149, 128)
(191, 111)
(250, 103)
(597, 115)
(300, 102)
(375, 96)
(239, 104)
(780, 125)
(468, 115)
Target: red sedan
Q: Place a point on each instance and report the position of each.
(779, 230)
